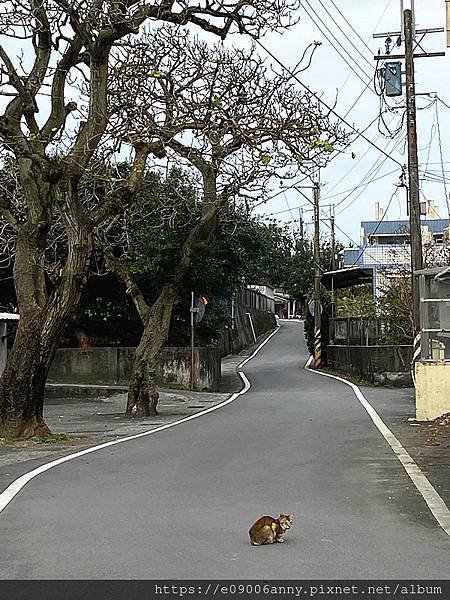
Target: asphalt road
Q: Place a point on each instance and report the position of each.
(179, 503)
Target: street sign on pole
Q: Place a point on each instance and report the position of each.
(198, 306)
(192, 374)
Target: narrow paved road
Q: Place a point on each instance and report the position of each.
(178, 504)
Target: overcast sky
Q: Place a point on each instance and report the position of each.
(329, 74)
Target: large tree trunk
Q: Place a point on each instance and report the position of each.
(22, 384)
(43, 318)
(142, 392)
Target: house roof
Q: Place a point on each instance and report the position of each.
(344, 278)
(401, 227)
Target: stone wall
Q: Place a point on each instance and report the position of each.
(389, 365)
(233, 340)
(112, 366)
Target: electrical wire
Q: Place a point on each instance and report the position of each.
(447, 200)
(377, 227)
(322, 28)
(442, 102)
(351, 26)
(360, 185)
(370, 63)
(368, 84)
(293, 185)
(374, 170)
(319, 99)
(355, 165)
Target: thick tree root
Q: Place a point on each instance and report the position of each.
(24, 430)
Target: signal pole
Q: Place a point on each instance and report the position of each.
(317, 304)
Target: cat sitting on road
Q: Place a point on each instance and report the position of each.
(268, 530)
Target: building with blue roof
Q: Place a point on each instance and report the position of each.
(385, 248)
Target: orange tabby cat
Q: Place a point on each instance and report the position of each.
(268, 530)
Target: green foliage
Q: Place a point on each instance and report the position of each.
(324, 145)
(394, 308)
(356, 301)
(242, 250)
(105, 316)
(53, 438)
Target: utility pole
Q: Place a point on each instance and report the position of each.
(333, 240)
(413, 167)
(317, 303)
(408, 34)
(333, 260)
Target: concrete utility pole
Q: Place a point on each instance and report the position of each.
(333, 260)
(408, 35)
(413, 167)
(317, 303)
(333, 240)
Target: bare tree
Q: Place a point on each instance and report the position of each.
(55, 62)
(231, 117)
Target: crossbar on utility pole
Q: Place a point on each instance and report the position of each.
(317, 275)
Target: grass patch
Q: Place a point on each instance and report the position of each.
(54, 438)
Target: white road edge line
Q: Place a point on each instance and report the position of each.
(14, 488)
(435, 503)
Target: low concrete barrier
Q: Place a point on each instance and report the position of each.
(389, 365)
(112, 366)
(432, 389)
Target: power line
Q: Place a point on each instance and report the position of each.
(368, 84)
(355, 165)
(291, 208)
(377, 227)
(442, 102)
(360, 185)
(442, 158)
(351, 27)
(322, 28)
(319, 99)
(293, 185)
(374, 169)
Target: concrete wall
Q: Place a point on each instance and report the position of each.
(233, 340)
(432, 390)
(388, 365)
(112, 366)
